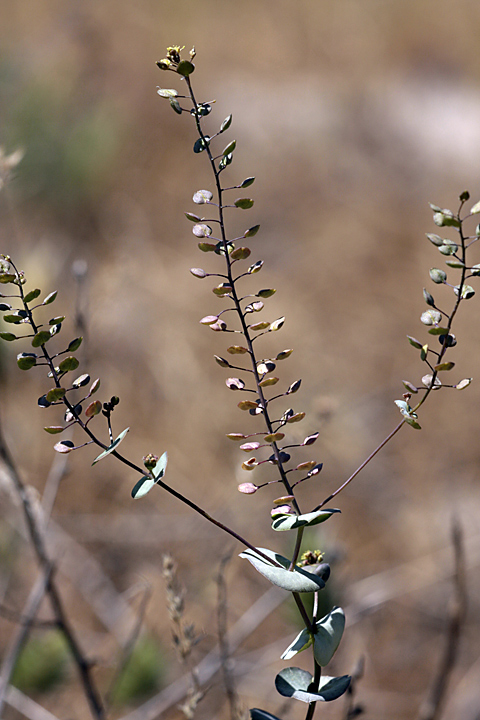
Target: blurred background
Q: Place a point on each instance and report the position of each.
(352, 116)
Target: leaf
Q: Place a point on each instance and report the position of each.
(292, 522)
(277, 324)
(167, 93)
(9, 337)
(185, 68)
(237, 350)
(262, 325)
(69, 363)
(41, 338)
(112, 447)
(414, 342)
(294, 682)
(302, 642)
(299, 580)
(284, 354)
(54, 429)
(476, 208)
(199, 146)
(50, 298)
(201, 230)
(230, 148)
(438, 276)
(145, 484)
(247, 405)
(93, 409)
(64, 446)
(444, 366)
(463, 383)
(55, 394)
(256, 714)
(74, 344)
(252, 231)
(241, 253)
(81, 381)
(175, 105)
(329, 633)
(206, 247)
(32, 295)
(266, 292)
(226, 124)
(202, 196)
(25, 361)
(268, 382)
(274, 437)
(243, 203)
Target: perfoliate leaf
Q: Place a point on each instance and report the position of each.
(329, 633)
(299, 580)
(145, 484)
(301, 642)
(295, 682)
(292, 522)
(112, 447)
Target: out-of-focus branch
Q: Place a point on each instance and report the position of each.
(432, 707)
(33, 603)
(37, 540)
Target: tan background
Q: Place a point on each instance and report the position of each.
(351, 115)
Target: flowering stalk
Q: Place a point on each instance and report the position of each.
(325, 634)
